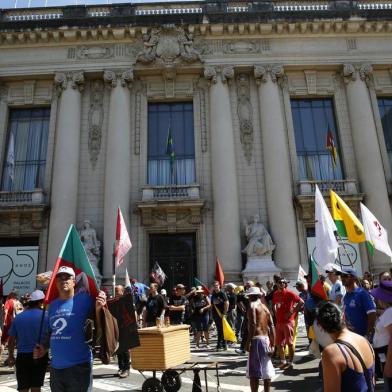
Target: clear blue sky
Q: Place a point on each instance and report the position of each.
(54, 3)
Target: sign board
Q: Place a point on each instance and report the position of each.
(18, 268)
(350, 252)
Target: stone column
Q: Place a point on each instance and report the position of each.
(277, 169)
(64, 189)
(367, 150)
(118, 158)
(224, 174)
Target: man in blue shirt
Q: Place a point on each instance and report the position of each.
(359, 308)
(71, 364)
(25, 331)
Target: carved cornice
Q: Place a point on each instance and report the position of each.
(67, 35)
(351, 72)
(226, 74)
(112, 77)
(274, 72)
(63, 80)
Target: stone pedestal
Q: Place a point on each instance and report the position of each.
(260, 269)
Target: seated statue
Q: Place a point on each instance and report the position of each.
(259, 240)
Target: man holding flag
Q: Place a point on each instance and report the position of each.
(71, 364)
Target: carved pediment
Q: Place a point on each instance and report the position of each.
(167, 47)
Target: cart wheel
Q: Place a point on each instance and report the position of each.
(152, 385)
(171, 381)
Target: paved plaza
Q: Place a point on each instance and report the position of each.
(232, 369)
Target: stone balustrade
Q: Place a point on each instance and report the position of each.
(306, 188)
(19, 198)
(170, 192)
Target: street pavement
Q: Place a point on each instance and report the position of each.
(303, 377)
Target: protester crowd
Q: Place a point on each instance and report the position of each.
(352, 328)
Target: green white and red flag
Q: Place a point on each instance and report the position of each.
(73, 255)
(199, 283)
(316, 285)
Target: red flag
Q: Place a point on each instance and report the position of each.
(219, 275)
(73, 255)
(316, 286)
(123, 242)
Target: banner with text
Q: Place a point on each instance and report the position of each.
(18, 268)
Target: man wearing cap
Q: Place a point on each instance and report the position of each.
(71, 361)
(337, 290)
(24, 332)
(220, 306)
(260, 342)
(232, 297)
(359, 308)
(286, 304)
(177, 304)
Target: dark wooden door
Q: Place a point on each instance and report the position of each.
(176, 254)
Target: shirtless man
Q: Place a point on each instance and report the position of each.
(260, 343)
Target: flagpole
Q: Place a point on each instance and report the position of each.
(345, 251)
(114, 268)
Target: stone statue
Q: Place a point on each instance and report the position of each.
(88, 236)
(259, 240)
(150, 42)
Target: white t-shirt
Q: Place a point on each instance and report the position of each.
(337, 289)
(381, 335)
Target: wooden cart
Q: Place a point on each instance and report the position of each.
(165, 349)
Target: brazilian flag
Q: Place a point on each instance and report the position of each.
(170, 148)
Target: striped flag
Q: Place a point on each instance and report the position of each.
(199, 283)
(347, 223)
(73, 255)
(331, 146)
(170, 148)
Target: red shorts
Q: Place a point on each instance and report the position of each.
(285, 333)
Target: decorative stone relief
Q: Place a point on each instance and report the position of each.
(275, 72)
(203, 119)
(112, 77)
(244, 111)
(94, 52)
(311, 81)
(29, 86)
(74, 79)
(241, 47)
(138, 99)
(168, 46)
(352, 71)
(226, 73)
(95, 120)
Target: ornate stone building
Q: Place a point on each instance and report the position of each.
(247, 90)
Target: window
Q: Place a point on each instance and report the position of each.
(385, 107)
(25, 155)
(179, 118)
(312, 119)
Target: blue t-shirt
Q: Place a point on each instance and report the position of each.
(66, 323)
(25, 328)
(357, 305)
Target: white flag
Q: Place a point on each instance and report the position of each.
(301, 276)
(123, 242)
(127, 281)
(326, 244)
(375, 234)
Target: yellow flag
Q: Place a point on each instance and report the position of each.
(347, 223)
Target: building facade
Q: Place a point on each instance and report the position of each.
(246, 91)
